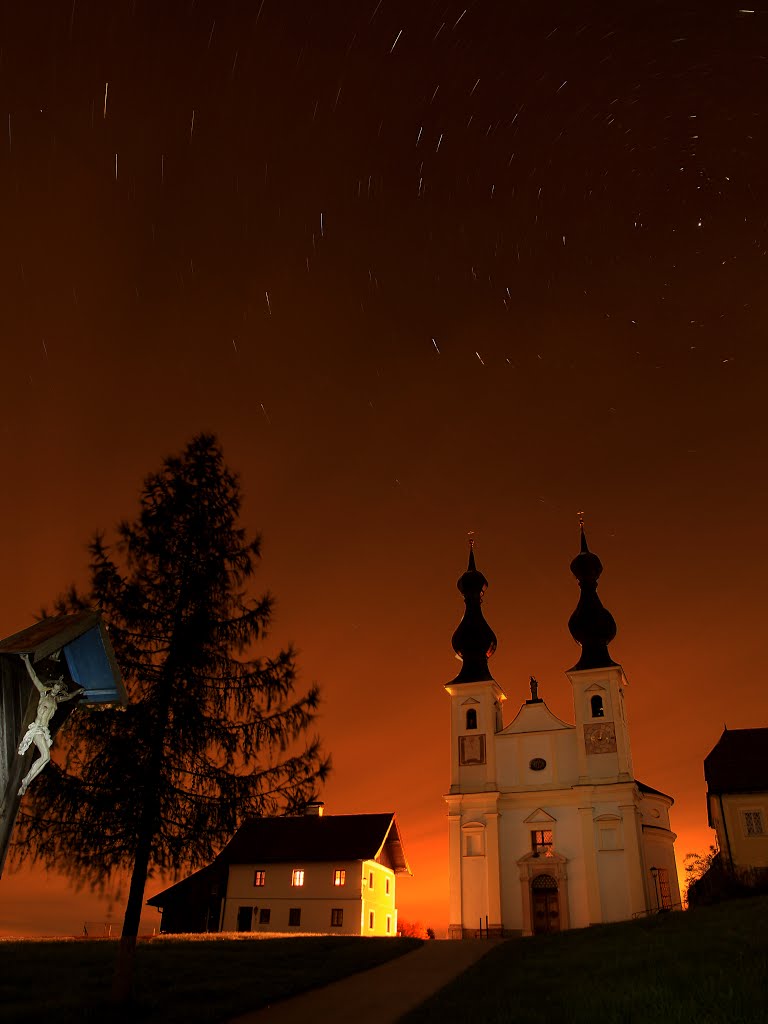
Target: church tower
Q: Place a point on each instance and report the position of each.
(476, 718)
(602, 744)
(475, 695)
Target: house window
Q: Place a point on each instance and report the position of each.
(386, 886)
(264, 915)
(337, 917)
(597, 706)
(244, 918)
(389, 925)
(297, 876)
(665, 894)
(370, 920)
(471, 719)
(753, 823)
(294, 917)
(541, 842)
(340, 877)
(260, 878)
(370, 881)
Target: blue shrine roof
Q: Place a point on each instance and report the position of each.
(83, 640)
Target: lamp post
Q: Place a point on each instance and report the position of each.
(655, 873)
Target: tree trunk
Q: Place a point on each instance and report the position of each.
(122, 985)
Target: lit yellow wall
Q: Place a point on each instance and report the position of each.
(316, 898)
(377, 901)
(747, 851)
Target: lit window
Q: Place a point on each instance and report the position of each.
(370, 881)
(541, 842)
(337, 917)
(386, 886)
(260, 878)
(753, 823)
(294, 917)
(264, 915)
(297, 876)
(597, 707)
(370, 920)
(339, 877)
(471, 719)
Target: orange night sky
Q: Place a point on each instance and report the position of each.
(423, 269)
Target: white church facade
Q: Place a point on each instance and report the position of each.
(548, 827)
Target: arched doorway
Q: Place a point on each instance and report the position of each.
(545, 905)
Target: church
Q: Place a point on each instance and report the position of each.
(548, 827)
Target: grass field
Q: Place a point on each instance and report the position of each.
(707, 966)
(176, 981)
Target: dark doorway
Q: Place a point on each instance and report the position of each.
(244, 918)
(545, 905)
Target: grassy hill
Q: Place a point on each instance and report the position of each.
(706, 966)
(176, 981)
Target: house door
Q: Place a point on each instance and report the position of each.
(244, 918)
(545, 905)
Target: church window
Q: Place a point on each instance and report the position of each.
(370, 881)
(297, 876)
(474, 839)
(260, 878)
(609, 839)
(471, 719)
(337, 917)
(386, 886)
(537, 764)
(370, 919)
(294, 917)
(339, 876)
(541, 842)
(753, 823)
(597, 706)
(389, 924)
(264, 915)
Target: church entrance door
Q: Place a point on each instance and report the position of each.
(545, 905)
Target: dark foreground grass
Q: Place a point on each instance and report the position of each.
(707, 966)
(192, 982)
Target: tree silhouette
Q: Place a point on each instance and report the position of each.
(212, 733)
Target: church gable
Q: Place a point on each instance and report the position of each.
(535, 717)
(539, 815)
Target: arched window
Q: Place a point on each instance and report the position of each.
(471, 719)
(597, 706)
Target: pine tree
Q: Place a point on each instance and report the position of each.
(212, 734)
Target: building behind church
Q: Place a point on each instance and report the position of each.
(548, 827)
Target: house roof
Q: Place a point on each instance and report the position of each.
(308, 839)
(738, 762)
(313, 838)
(201, 883)
(651, 791)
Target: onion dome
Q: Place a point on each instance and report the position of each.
(474, 641)
(591, 625)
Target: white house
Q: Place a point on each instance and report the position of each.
(548, 826)
(306, 873)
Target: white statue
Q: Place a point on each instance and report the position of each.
(38, 732)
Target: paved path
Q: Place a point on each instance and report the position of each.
(381, 995)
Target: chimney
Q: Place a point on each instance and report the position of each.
(315, 809)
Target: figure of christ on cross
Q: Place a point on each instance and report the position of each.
(38, 732)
